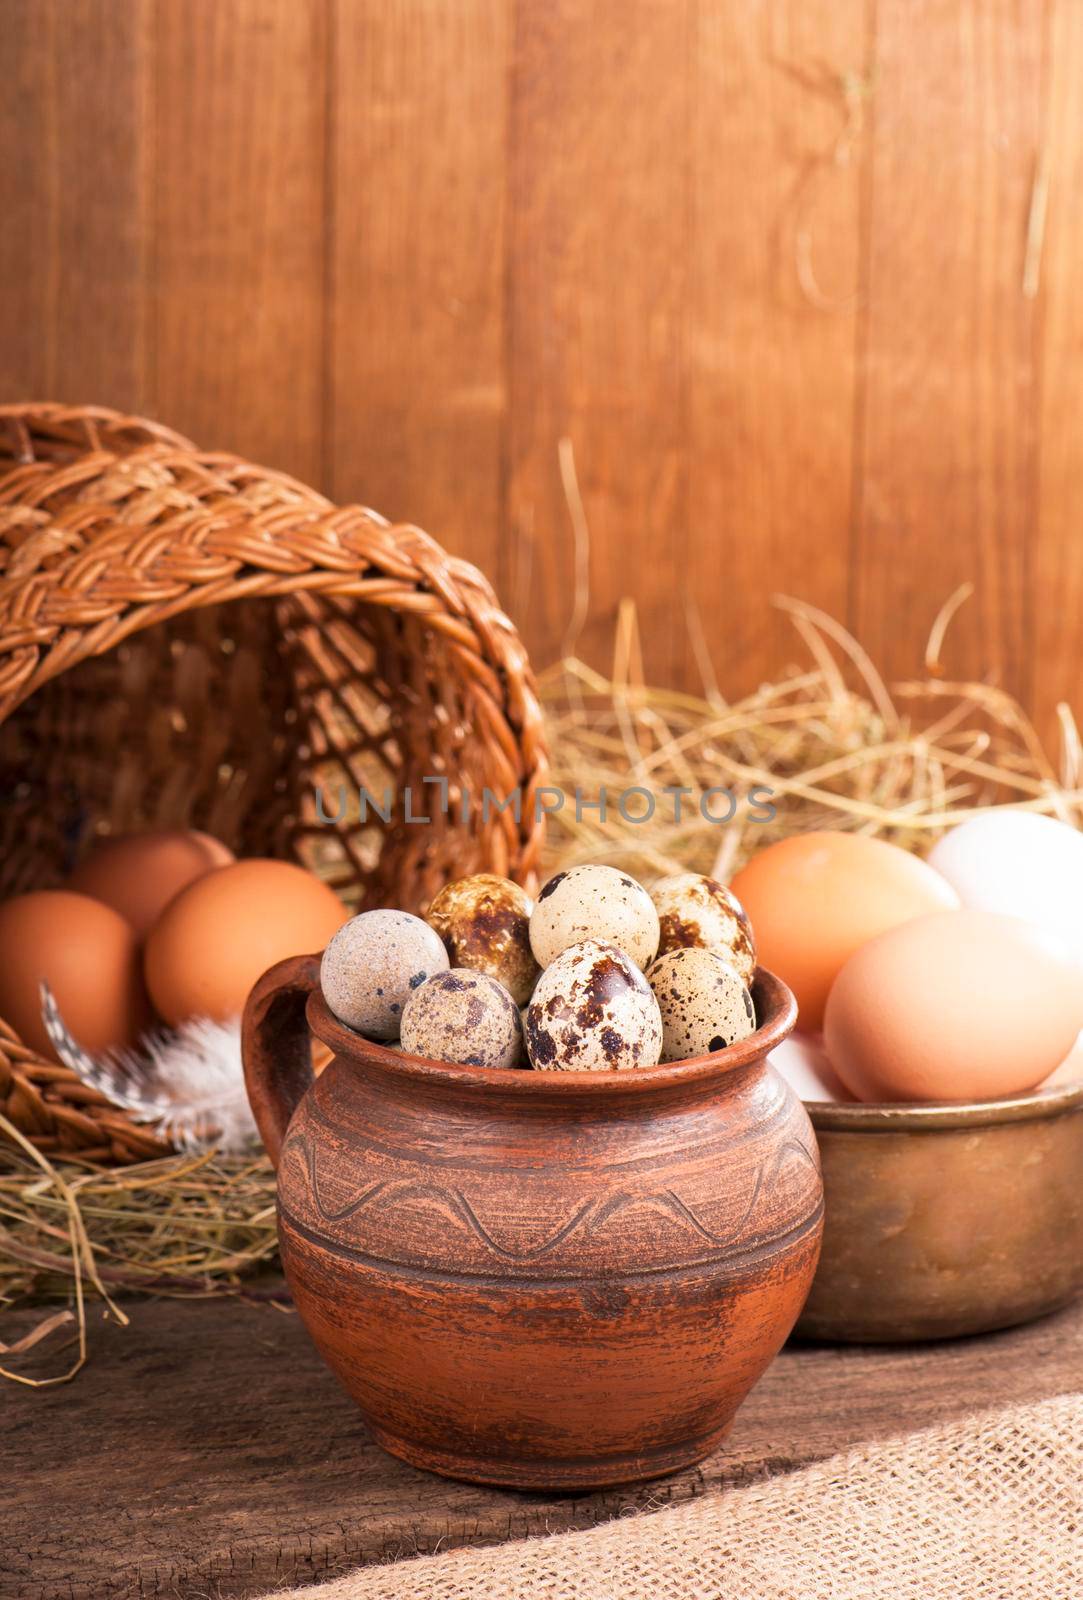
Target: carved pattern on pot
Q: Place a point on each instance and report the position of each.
(385, 1194)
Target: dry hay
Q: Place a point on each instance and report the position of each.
(833, 744)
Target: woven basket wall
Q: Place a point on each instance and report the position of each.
(188, 639)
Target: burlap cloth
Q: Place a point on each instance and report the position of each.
(986, 1508)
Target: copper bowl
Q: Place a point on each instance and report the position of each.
(947, 1219)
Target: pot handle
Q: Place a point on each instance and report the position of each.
(275, 1046)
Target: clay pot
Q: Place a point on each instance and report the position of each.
(538, 1279)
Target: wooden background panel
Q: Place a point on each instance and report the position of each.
(765, 267)
(74, 190)
(597, 268)
(947, 468)
(416, 300)
(1057, 569)
(239, 157)
(778, 155)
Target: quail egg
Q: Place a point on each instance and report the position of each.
(484, 921)
(372, 966)
(694, 910)
(704, 1003)
(592, 1011)
(465, 1017)
(594, 902)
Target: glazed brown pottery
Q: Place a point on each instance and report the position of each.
(539, 1279)
(947, 1219)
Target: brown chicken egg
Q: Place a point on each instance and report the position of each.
(959, 1005)
(221, 933)
(484, 921)
(139, 873)
(88, 955)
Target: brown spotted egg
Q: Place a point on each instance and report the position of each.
(484, 921)
(373, 965)
(594, 902)
(592, 1011)
(704, 1003)
(696, 910)
(465, 1017)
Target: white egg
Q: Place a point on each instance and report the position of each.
(803, 1062)
(1020, 864)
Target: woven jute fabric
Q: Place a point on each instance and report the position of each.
(986, 1508)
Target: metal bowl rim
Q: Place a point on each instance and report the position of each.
(1035, 1106)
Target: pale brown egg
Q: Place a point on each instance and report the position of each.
(221, 933)
(484, 921)
(138, 874)
(960, 1005)
(90, 958)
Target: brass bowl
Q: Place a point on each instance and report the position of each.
(947, 1219)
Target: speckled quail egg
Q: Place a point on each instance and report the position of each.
(372, 966)
(484, 921)
(697, 910)
(594, 902)
(704, 1003)
(592, 1011)
(463, 1016)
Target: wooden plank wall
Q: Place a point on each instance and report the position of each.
(801, 281)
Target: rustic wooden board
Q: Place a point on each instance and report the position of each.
(206, 1451)
(774, 270)
(415, 312)
(948, 460)
(75, 201)
(597, 262)
(1057, 571)
(239, 164)
(779, 151)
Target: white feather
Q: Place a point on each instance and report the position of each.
(187, 1084)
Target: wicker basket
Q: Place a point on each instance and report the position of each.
(187, 639)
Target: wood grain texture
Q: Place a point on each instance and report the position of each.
(1056, 577)
(416, 299)
(253, 1470)
(778, 152)
(948, 408)
(597, 264)
(763, 267)
(239, 159)
(74, 259)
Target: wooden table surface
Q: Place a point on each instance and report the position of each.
(205, 1451)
